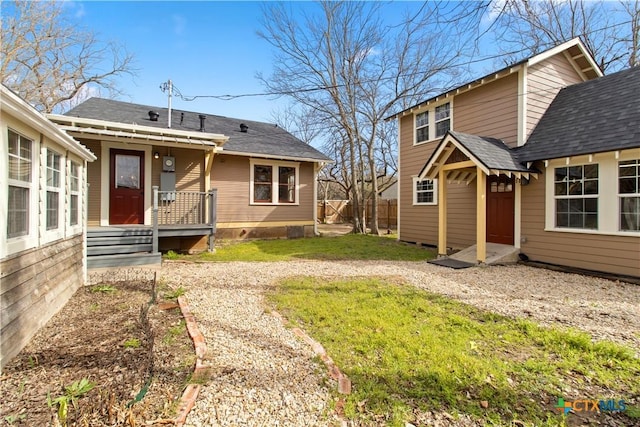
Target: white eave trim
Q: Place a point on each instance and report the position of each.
(103, 127)
(564, 47)
(21, 110)
(277, 157)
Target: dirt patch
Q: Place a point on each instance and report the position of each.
(135, 352)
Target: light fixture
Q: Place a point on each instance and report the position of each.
(156, 155)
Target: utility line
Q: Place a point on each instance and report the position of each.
(229, 97)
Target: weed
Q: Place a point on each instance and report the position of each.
(174, 332)
(172, 255)
(175, 293)
(132, 343)
(106, 289)
(70, 396)
(12, 418)
(94, 306)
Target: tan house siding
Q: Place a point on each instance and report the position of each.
(94, 169)
(417, 223)
(606, 253)
(231, 175)
(189, 168)
(544, 81)
(34, 285)
(489, 110)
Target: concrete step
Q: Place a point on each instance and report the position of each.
(124, 260)
(496, 254)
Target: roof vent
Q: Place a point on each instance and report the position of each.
(202, 117)
(153, 116)
(243, 128)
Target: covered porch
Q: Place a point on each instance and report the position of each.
(175, 214)
(463, 158)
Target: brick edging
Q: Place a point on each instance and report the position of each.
(344, 383)
(190, 393)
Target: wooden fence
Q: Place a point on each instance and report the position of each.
(341, 211)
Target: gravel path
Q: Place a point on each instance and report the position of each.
(266, 376)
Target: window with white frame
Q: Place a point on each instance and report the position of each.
(629, 194)
(443, 119)
(440, 116)
(53, 189)
(274, 183)
(425, 191)
(20, 184)
(74, 193)
(576, 196)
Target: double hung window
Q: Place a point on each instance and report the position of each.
(20, 184)
(629, 194)
(576, 196)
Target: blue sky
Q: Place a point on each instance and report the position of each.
(205, 48)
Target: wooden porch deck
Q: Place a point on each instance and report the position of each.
(137, 244)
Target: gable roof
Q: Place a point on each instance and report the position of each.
(574, 49)
(13, 104)
(261, 139)
(587, 118)
(492, 155)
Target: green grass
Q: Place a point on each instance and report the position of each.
(347, 247)
(404, 348)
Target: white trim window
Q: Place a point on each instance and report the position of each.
(20, 156)
(576, 196)
(274, 183)
(439, 116)
(425, 191)
(74, 193)
(629, 194)
(53, 186)
(443, 119)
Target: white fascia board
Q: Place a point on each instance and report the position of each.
(277, 157)
(23, 111)
(89, 125)
(563, 47)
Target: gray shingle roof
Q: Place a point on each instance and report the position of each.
(491, 152)
(591, 117)
(260, 139)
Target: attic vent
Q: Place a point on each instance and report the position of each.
(202, 117)
(243, 128)
(153, 116)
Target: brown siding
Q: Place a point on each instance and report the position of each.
(34, 285)
(231, 174)
(95, 181)
(611, 254)
(489, 110)
(189, 168)
(544, 81)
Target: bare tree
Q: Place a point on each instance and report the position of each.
(533, 26)
(352, 69)
(48, 60)
(631, 41)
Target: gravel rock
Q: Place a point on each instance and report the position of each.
(264, 375)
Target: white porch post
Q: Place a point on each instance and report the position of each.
(481, 215)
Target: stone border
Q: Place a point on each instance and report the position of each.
(190, 393)
(344, 383)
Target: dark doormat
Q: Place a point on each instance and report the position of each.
(451, 263)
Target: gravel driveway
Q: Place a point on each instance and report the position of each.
(266, 376)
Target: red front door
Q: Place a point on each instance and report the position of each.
(126, 187)
(500, 209)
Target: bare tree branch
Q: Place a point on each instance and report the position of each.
(49, 61)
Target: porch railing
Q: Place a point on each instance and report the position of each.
(184, 209)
